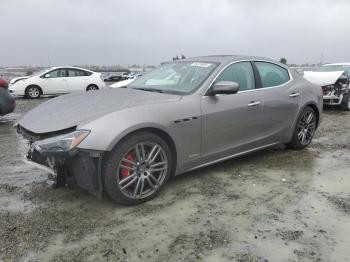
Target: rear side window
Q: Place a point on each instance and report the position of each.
(77, 72)
(86, 73)
(271, 74)
(241, 73)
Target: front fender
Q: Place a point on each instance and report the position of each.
(181, 121)
(107, 131)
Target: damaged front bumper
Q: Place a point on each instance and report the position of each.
(333, 95)
(58, 154)
(332, 100)
(80, 167)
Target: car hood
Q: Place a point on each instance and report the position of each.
(322, 78)
(16, 79)
(76, 109)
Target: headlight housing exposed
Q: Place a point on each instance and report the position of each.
(61, 143)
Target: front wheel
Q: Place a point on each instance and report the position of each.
(304, 130)
(33, 92)
(137, 168)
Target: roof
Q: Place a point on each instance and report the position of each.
(69, 67)
(228, 58)
(337, 64)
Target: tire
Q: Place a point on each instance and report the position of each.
(92, 87)
(33, 92)
(345, 103)
(130, 180)
(304, 129)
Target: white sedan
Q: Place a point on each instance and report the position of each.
(57, 80)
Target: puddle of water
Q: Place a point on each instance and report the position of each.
(13, 203)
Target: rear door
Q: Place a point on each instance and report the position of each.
(231, 123)
(280, 98)
(77, 80)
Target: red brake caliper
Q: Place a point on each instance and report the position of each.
(125, 172)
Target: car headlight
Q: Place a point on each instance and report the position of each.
(62, 143)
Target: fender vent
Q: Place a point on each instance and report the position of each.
(185, 119)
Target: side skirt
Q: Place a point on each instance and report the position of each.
(232, 156)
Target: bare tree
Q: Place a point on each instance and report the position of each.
(283, 60)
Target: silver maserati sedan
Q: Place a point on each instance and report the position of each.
(185, 115)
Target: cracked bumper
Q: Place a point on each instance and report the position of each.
(80, 167)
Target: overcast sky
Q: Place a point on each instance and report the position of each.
(106, 32)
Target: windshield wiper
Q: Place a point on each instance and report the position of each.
(150, 90)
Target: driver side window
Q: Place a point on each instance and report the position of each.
(241, 73)
(57, 73)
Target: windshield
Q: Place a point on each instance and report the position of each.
(176, 78)
(332, 68)
(39, 72)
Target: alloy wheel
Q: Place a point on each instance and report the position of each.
(91, 88)
(142, 170)
(33, 92)
(306, 127)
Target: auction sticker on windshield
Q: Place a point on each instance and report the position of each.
(201, 64)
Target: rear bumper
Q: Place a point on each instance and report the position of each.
(79, 167)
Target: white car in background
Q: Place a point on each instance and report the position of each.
(130, 78)
(57, 80)
(335, 82)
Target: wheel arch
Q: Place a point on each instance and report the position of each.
(34, 85)
(317, 111)
(308, 104)
(92, 85)
(161, 133)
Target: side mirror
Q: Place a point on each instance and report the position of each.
(224, 87)
(46, 75)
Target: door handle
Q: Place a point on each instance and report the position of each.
(294, 94)
(254, 103)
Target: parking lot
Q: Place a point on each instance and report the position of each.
(273, 205)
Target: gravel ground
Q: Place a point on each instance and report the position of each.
(273, 205)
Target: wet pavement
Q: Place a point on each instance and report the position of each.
(273, 205)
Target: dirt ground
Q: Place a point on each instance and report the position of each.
(274, 205)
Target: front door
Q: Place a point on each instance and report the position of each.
(231, 123)
(55, 82)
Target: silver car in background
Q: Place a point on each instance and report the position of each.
(184, 115)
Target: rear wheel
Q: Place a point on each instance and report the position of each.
(345, 104)
(137, 168)
(33, 92)
(304, 130)
(92, 87)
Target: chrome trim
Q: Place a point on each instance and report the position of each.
(254, 103)
(255, 89)
(232, 156)
(294, 94)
